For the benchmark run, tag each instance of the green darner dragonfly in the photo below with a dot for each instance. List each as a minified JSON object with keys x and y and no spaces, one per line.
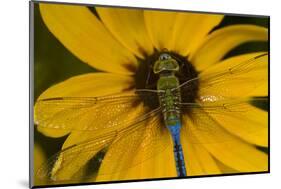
{"x":162,"y":112}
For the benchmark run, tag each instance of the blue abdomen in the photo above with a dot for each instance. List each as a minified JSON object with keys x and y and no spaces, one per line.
{"x":178,"y":153}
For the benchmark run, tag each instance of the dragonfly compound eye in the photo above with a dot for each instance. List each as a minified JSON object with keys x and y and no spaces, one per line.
{"x":164,"y":56}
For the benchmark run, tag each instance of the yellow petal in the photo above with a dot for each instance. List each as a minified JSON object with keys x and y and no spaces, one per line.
{"x":191,"y":29}
{"x":87,"y":38}
{"x":198,"y":160}
{"x":55,"y":133}
{"x":71,"y":161}
{"x":80,"y":147}
{"x":225,"y":169}
{"x":127,"y":25}
{"x":160,"y":26}
{"x":146,"y":153}
{"x":239,"y":76}
{"x":106,"y":123}
{"x":250,"y":124}
{"x":59,"y":119}
{"x":233,"y":152}
{"x":77,"y":137}
{"x":39,"y":159}
{"x":87,"y":85}
{"x":223,"y":40}
{"x":261,"y":90}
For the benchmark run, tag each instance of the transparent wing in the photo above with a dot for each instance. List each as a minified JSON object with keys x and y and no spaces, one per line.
{"x":219,"y":117}
{"x":224,"y":120}
{"x":225,"y":76}
{"x":136,"y":147}
{"x":147,"y":136}
{"x":64,"y":164}
{"x":90,"y":113}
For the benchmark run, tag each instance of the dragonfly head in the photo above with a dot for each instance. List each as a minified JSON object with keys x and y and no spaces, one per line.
{"x":165,"y":64}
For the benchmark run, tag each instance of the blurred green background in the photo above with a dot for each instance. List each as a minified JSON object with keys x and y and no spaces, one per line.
{"x":53,"y":63}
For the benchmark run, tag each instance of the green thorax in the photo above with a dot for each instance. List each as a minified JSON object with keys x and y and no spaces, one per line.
{"x":166,"y":67}
{"x":166,"y":82}
{"x":170,"y":98}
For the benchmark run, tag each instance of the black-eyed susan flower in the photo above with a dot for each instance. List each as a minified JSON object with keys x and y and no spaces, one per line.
{"x":123,"y":45}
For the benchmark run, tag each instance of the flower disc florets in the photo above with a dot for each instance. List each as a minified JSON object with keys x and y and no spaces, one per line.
{"x":145,"y":78}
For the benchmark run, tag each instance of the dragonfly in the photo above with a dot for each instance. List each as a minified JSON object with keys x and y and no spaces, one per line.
{"x":116,"y":134}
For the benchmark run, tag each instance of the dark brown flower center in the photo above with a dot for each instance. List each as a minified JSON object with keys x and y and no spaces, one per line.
{"x":145,"y":78}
